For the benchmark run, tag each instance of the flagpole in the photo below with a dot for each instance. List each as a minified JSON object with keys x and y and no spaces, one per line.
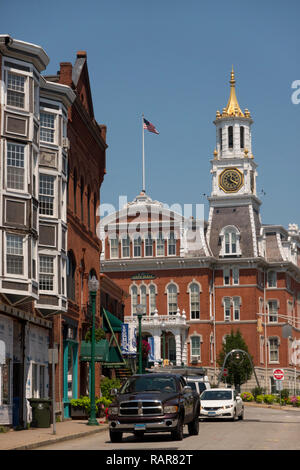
{"x":144,"y":186}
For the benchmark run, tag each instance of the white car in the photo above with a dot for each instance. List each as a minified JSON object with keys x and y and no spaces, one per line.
{"x":221,"y":403}
{"x":198,"y":384}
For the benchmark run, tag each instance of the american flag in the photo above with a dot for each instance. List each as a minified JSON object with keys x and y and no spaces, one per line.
{"x":151,"y":128}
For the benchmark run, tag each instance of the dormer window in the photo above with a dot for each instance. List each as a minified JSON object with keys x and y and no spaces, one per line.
{"x":172,"y":244}
{"x":137,"y":247}
{"x":230,"y":237}
{"x":148,"y":245}
{"x":230,"y":137}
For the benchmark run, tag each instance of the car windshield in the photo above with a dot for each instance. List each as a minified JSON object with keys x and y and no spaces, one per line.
{"x":217,"y":395}
{"x":142,"y":384}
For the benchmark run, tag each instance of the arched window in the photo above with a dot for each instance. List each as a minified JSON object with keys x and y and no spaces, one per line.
{"x":95,"y":212}
{"x":134,"y":299}
{"x":114,"y":247}
{"x":274,"y":349}
{"x":242,"y":137}
{"x":152,"y":299}
{"x":71,"y":270}
{"x":230,"y":137}
{"x":172,"y":299}
{"x":88,"y":208}
{"x":230,"y":237}
{"x":195,"y":342}
{"x":81,"y":198}
{"x":143,"y":297}
{"x":75,"y":190}
{"x":125,"y":246}
{"x":194,"y":301}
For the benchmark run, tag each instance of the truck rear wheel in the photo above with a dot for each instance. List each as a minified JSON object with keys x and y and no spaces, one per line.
{"x":115,"y":436}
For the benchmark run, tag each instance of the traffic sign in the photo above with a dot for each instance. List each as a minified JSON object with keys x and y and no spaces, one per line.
{"x":278,"y":374}
{"x":279,"y":385}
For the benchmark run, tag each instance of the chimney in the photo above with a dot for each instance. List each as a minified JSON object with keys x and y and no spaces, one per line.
{"x":65,"y":75}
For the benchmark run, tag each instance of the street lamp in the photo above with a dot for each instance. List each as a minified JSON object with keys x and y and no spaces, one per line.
{"x":164,"y":341}
{"x":93,"y":286}
{"x":140,"y":311}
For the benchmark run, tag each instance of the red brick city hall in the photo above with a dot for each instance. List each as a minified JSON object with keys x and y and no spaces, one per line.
{"x":199,"y":280}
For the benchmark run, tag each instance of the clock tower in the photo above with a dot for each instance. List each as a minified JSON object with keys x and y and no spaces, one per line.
{"x":233,"y":201}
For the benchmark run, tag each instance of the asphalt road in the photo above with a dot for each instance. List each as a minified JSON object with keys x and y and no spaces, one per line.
{"x":261,"y":429}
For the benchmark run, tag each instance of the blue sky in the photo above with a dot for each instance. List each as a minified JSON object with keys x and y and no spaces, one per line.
{"x":171,"y":60}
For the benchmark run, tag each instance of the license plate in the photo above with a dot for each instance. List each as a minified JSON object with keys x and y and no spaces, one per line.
{"x":139,"y":427}
{"x":211,"y":413}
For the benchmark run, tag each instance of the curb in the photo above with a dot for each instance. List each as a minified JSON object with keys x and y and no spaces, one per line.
{"x":35,"y":445}
{"x":274,"y":407}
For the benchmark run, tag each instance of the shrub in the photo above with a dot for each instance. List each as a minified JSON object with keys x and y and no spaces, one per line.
{"x":247,"y":396}
{"x":85,"y":403}
{"x":257,"y":391}
{"x":107,"y":385}
{"x":259,"y":398}
{"x":269,"y":399}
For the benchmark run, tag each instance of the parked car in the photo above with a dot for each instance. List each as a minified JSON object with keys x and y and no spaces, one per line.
{"x":151,"y":403}
{"x":197,"y":383}
{"x":221,"y":403}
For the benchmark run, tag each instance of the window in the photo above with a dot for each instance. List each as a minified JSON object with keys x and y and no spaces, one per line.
{"x":46,"y":273}
{"x":134,"y":299}
{"x":226,"y":276}
{"x":149,"y":245}
{"x":152,"y":299}
{"x":16,"y":90}
{"x":15,"y":171}
{"x":126,"y":247}
{"x":227,"y":308}
{"x":137,"y":247}
{"x":114,"y":247}
{"x":172,"y":299}
{"x":230,"y":241}
{"x":160,"y":245}
{"x":235,"y":276}
{"x":272,"y":279}
{"x":14,"y":254}
{"x":75,"y":190}
{"x":236,"y":308}
{"x":195,"y":346}
{"x":230,"y":137}
{"x":81,"y":199}
{"x":71,"y":271}
{"x":273,"y":350}
{"x":47,"y":127}
{"x":195,"y":301}
{"x":273,"y":311}
{"x":46,"y":196}
{"x":242,"y":137}
{"x":143,"y":294}
{"x":172,"y":244}
{"x":5,"y":391}
{"x":88,"y":208}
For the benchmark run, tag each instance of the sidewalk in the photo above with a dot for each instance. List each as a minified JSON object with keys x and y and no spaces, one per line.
{"x":35,"y":437}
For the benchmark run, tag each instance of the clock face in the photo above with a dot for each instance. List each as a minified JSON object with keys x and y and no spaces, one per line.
{"x":231,"y":180}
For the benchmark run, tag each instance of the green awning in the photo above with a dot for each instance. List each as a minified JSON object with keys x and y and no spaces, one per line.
{"x":101,"y":351}
{"x":115,"y":323}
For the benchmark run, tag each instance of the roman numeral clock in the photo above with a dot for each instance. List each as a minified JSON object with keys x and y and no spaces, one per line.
{"x":231,"y":180}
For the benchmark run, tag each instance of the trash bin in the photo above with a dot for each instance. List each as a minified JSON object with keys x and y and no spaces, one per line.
{"x":41,"y":412}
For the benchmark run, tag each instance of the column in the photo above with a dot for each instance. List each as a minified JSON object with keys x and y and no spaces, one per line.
{"x":178,"y":349}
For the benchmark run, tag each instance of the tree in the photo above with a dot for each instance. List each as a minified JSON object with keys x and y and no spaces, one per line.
{"x":239,"y":370}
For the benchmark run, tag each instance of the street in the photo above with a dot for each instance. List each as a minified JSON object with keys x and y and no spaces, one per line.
{"x":261,"y":429}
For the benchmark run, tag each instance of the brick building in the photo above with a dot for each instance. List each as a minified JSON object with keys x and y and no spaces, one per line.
{"x":86,"y":143}
{"x":197,"y":279}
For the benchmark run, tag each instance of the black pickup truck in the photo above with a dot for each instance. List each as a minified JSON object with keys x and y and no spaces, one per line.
{"x":151,"y":403}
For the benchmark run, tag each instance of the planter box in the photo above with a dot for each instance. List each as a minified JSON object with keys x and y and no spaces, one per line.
{"x":78,"y":413}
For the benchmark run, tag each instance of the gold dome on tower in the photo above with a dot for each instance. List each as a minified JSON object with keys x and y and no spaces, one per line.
{"x":233,"y":108}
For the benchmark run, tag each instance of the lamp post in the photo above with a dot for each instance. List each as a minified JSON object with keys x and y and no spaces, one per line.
{"x":140,"y":312}
{"x":164,"y":342}
{"x":93,"y":286}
